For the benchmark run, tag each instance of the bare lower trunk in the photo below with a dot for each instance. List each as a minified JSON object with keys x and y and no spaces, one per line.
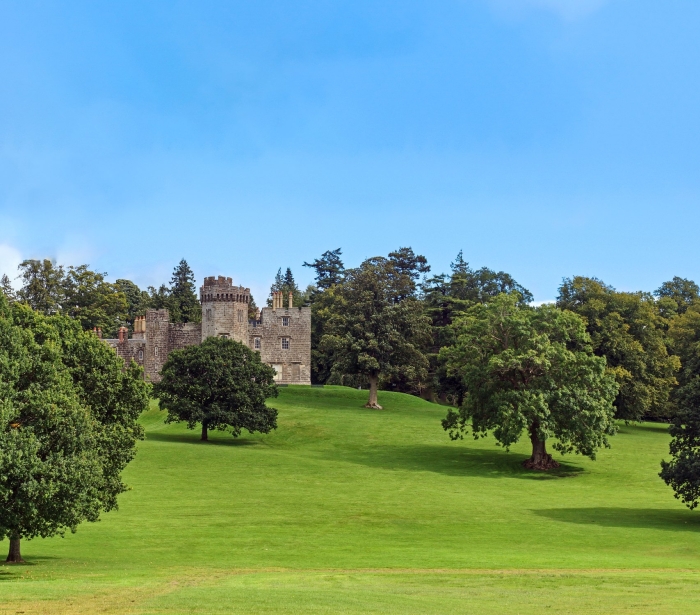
{"x":14,"y":556}
{"x":372,"y":403}
{"x":540,"y":460}
{"x":205,"y":435}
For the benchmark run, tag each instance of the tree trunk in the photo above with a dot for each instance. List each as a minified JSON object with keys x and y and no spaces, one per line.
{"x":540,"y":460}
{"x":205,"y":435}
{"x":372,"y":403}
{"x":14,"y":556}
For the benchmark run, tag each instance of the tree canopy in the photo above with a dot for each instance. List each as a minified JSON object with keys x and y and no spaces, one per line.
{"x":285,"y":283}
{"x":682,"y":473}
{"x":373,"y":333}
{"x":629,"y":331}
{"x":68,"y":424}
{"x":530,"y":369}
{"x":445,"y":297}
{"x":329,"y":269}
{"x":219,"y":384}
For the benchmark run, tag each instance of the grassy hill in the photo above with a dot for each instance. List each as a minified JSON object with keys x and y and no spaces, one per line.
{"x":349,"y":510}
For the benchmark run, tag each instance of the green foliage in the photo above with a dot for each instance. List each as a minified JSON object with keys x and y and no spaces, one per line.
{"x":180,"y":298}
{"x":68,"y":413}
{"x":329,"y":272}
{"x":370,"y":331}
{"x":681,"y":291}
{"x":682,"y":473}
{"x":406,"y":268}
{"x":77,"y":292}
{"x":42,"y":285}
{"x":530,"y":369}
{"x":629,"y":331}
{"x":137,"y":300}
{"x":7,"y":289}
{"x":447,"y":297}
{"x":219,"y":384}
{"x":183,"y":302}
{"x":93,"y":302}
{"x":329,"y":269}
{"x":286,"y":284}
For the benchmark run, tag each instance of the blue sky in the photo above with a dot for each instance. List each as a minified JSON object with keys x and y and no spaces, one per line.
{"x":546,"y":138}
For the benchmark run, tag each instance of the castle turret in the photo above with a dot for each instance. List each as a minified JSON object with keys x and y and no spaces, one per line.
{"x":224,"y":309}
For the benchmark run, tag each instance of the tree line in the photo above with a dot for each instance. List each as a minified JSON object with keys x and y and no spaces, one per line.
{"x":564,"y":373}
{"x":85,"y":295}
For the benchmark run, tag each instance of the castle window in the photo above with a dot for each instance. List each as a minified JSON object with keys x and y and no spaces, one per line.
{"x":155,"y":351}
{"x":257,"y":343}
{"x":285,"y":343}
{"x":285,"y":321}
{"x":140,"y":355}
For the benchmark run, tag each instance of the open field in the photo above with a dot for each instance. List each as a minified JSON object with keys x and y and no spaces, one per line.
{"x":348,"y":510}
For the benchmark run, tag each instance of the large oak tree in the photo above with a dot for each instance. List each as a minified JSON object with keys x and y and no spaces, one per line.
{"x":68,"y":424}
{"x":219,"y":384}
{"x":530,"y":370}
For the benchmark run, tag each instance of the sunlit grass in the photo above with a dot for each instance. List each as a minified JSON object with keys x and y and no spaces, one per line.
{"x":350,"y":510}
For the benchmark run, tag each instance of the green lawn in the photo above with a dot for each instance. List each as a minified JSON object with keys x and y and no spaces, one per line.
{"x":349,"y":510}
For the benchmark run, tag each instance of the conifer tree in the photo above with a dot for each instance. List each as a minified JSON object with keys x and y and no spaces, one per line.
{"x":183,"y":303}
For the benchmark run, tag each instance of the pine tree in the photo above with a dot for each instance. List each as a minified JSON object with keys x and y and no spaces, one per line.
{"x":6,"y":288}
{"x":183,"y":302}
{"x":286,"y":284}
{"x":329,"y":269}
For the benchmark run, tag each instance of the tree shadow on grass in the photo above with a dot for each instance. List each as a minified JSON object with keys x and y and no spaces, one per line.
{"x":451,"y":460}
{"x":194,"y":438}
{"x":645,"y":518}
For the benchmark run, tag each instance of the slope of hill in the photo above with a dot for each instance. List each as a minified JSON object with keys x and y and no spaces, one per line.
{"x":349,"y":510}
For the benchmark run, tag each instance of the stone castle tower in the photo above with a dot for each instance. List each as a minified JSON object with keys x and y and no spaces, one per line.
{"x":282,"y":335}
{"x":224,"y":309}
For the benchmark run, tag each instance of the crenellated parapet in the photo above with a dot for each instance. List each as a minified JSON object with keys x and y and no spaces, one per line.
{"x":282,"y":333}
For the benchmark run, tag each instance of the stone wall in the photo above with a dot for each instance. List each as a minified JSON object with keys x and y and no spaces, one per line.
{"x":129,"y":350}
{"x":277,"y":329}
{"x":224,"y":309}
{"x":157,"y":342}
{"x":183,"y":334}
{"x":283,"y":334}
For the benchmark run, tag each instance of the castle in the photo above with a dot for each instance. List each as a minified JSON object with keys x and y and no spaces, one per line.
{"x":282,"y":335}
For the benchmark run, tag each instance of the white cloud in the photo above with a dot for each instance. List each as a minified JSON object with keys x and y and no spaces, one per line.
{"x":10,"y":258}
{"x":568,"y":10}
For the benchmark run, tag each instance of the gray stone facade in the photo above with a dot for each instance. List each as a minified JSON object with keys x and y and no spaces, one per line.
{"x":282,"y":335}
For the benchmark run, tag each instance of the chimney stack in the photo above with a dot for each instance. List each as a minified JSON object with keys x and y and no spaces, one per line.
{"x":99,"y":332}
{"x":291,"y":300}
{"x":123,"y":334}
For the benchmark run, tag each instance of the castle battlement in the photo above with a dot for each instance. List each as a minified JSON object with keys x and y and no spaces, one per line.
{"x":281,"y":334}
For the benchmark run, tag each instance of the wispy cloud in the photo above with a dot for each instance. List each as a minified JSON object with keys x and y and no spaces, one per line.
{"x":568,"y":10}
{"x":10,"y":258}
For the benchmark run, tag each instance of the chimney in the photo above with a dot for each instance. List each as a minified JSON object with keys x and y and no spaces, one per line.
{"x":291,"y":300}
{"x":99,"y":332}
{"x":123,"y":334}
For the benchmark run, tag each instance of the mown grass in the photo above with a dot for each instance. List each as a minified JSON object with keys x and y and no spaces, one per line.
{"x":349,"y":510}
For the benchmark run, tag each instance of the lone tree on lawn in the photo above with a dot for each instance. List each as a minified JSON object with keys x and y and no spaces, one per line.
{"x":371,"y":331}
{"x":68,"y":424}
{"x":530,"y":369}
{"x":220,"y":384}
